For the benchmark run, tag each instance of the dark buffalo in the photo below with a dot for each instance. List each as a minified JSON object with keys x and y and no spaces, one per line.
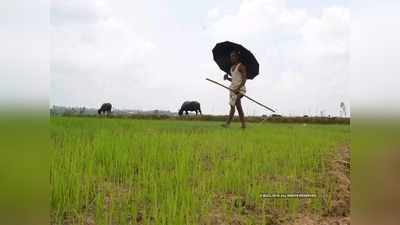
{"x":105,"y":108}
{"x":190,"y":106}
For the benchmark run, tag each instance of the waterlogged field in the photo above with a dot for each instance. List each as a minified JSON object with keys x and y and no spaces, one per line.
{"x":124,"y":171}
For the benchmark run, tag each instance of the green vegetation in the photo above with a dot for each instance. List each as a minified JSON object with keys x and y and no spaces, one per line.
{"x":126,"y":171}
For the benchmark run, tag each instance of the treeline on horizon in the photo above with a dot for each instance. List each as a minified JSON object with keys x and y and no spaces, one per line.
{"x":251,"y":119}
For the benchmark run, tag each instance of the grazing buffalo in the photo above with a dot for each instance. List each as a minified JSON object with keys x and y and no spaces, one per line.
{"x":105,"y":108}
{"x":190,"y":106}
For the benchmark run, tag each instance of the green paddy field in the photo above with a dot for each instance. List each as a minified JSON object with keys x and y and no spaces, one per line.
{"x":128,"y":171}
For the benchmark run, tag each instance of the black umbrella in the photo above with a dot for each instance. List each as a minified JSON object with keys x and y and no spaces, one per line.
{"x":222,"y":51}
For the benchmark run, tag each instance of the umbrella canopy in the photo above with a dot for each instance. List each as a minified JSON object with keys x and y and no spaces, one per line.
{"x":222,"y":52}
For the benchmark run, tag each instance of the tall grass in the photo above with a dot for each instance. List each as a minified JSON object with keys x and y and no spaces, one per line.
{"x":117,"y":171}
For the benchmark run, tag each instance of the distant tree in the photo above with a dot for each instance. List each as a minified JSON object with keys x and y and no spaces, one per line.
{"x":82,"y":110}
{"x":343,"y":109}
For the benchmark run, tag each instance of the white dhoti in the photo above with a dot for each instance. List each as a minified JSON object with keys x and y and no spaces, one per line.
{"x":233,"y":97}
{"x":235,"y":83}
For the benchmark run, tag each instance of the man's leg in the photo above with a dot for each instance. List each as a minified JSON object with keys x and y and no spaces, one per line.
{"x":240,"y":111}
{"x":232,"y":101}
{"x":231,"y":113}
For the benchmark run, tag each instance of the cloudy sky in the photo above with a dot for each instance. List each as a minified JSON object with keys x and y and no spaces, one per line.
{"x":155,"y":55}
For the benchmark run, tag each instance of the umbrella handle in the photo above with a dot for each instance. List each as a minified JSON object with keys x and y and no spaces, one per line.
{"x":226,"y":77}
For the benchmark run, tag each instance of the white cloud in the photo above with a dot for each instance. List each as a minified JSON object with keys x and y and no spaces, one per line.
{"x":255,"y":16}
{"x":329,"y":33}
{"x":77,"y":12}
{"x":106,"y":41}
{"x":92,"y":49}
{"x":213,"y":13}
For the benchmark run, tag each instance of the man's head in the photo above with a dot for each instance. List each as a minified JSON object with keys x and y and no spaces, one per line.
{"x":235,"y":57}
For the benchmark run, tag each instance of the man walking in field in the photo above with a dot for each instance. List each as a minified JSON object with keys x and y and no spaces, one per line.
{"x":238,"y":81}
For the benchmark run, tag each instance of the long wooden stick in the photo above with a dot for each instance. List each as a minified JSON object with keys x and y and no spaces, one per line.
{"x":215,"y":82}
